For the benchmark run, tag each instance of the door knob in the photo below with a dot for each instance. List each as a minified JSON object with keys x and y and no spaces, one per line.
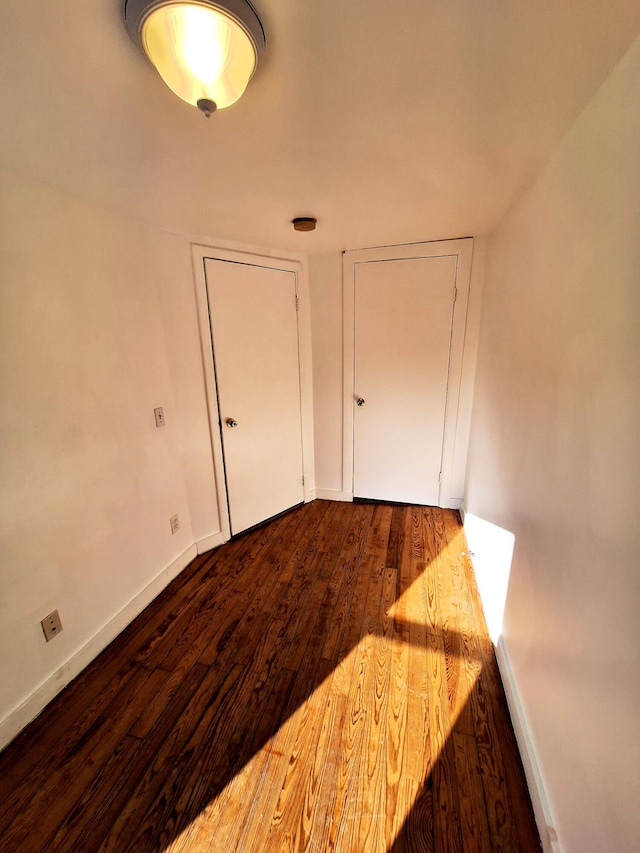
{"x":231,"y":423}
{"x":360,"y":401}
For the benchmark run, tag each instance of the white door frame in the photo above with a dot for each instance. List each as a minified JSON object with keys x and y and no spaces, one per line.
{"x":450,"y":493}
{"x":298,"y":266}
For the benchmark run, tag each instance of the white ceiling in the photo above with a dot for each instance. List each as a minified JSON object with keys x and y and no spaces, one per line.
{"x":389,"y":120}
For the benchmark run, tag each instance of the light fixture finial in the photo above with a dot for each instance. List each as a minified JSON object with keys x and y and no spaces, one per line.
{"x":206,"y":107}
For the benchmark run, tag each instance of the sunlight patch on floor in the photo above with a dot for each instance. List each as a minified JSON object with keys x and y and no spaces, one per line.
{"x":352,"y":760}
{"x":382,"y":686}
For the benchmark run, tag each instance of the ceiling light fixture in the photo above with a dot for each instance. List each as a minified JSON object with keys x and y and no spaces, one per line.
{"x":205,"y":51}
{"x":304,"y":223}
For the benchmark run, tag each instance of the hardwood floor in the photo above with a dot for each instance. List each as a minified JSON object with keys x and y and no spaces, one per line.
{"x":323,"y":683}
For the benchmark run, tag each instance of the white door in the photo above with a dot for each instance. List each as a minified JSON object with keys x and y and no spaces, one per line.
{"x":403,"y":330}
{"x":255,"y":344}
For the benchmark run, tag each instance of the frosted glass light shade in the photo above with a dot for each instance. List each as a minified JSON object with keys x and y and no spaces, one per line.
{"x":199,"y":53}
{"x":205,"y":50}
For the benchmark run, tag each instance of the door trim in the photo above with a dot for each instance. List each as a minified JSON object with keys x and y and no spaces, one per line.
{"x":454,"y":436}
{"x":297,"y":265}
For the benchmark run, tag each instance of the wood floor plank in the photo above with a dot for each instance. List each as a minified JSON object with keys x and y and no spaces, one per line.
{"x":416,"y":835}
{"x":307,"y":828}
{"x":322,"y":683}
{"x":72,"y":832}
{"x":473,"y":813}
{"x":297,"y":525}
{"x":105,"y":808}
{"x":342,"y":825}
{"x":463,"y":656}
{"x":399,"y":797}
{"x":302,"y":565}
{"x":17,"y":795}
{"x":221,"y":746}
{"x":413,"y":823}
{"x":166,"y":762}
{"x":432,"y":545}
{"x":446,"y":590}
{"x":314,"y":611}
{"x":247,"y":618}
{"x":295,"y":549}
{"x":372,"y":802}
{"x":397,"y":532}
{"x":446,"y":810}
{"x":78,"y":769}
{"x":358,"y":792}
{"x":222,"y":800}
{"x":519,"y":801}
{"x":94,"y":815}
{"x":283,"y":754}
{"x":499,"y":814}
{"x":161,"y":639}
{"x":369,"y":563}
{"x":292,"y":809}
{"x":271,"y":762}
{"x":204,"y":623}
{"x":345,"y":624}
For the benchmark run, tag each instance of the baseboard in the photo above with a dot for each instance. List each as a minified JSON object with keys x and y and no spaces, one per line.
{"x":539,"y":800}
{"x":338,"y":495}
{"x":334,"y":495}
{"x":39,"y":698}
{"x":210,"y":542}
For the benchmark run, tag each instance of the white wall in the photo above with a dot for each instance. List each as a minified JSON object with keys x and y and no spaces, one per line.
{"x":174,"y":278}
{"x":554,"y":460}
{"x":97,"y":327}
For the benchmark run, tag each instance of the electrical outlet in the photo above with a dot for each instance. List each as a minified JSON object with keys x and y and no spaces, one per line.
{"x":51,"y":625}
{"x":174,"y":521}
{"x":159,"y":416}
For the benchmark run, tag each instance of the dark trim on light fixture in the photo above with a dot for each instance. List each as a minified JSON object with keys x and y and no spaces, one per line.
{"x":136,"y":11}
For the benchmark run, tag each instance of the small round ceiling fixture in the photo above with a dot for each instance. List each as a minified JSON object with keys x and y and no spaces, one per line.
{"x":206,"y":51}
{"x":305,"y":223}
